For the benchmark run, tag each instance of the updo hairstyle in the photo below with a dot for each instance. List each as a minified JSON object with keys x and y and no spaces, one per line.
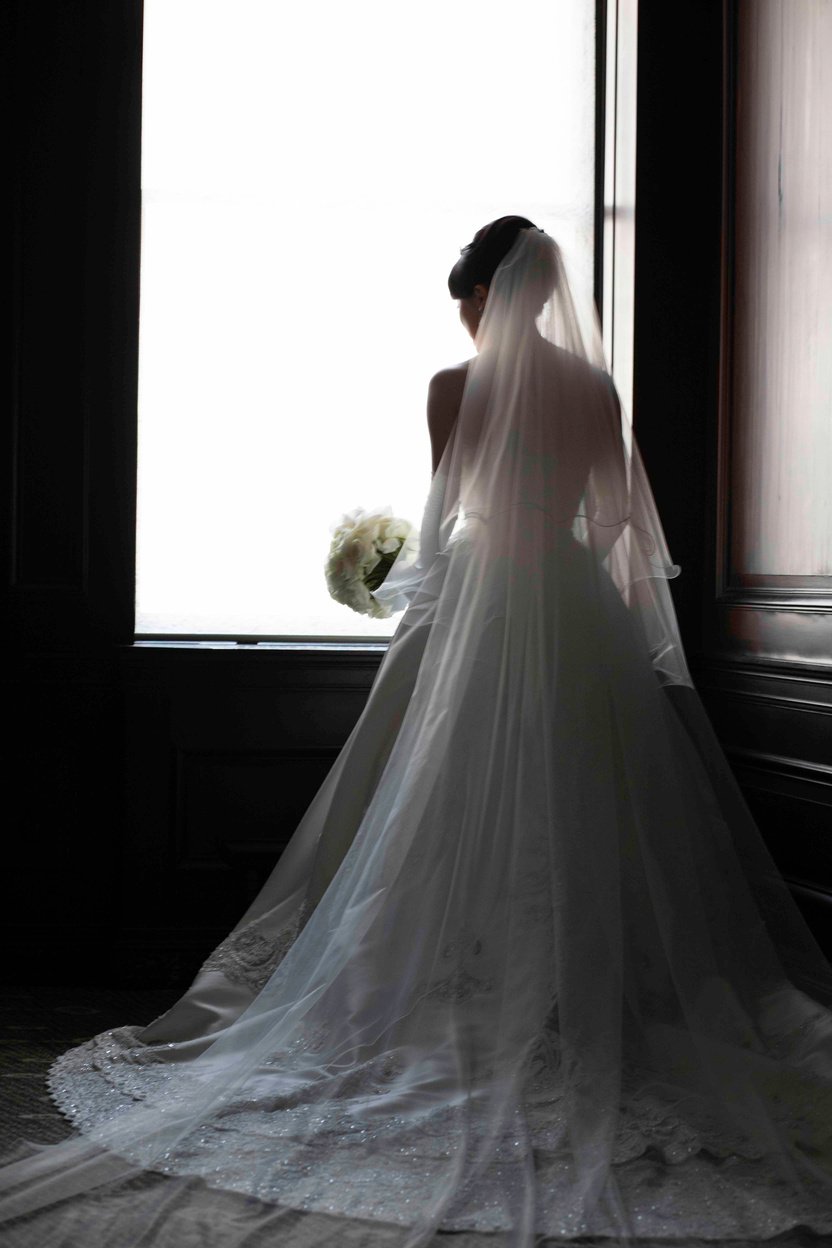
{"x":478,"y":261}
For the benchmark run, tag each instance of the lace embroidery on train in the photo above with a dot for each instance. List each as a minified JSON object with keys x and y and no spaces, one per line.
{"x":725,"y":1188}
{"x":249,"y":958}
{"x":462,"y":959}
{"x":362,"y":1160}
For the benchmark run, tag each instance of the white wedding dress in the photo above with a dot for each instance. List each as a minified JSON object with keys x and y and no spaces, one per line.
{"x":526,"y":966}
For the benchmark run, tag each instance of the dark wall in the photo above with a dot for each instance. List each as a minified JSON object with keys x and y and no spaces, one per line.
{"x":69,"y":545}
{"x":69,"y":471}
{"x":677,"y":279}
{"x":774,"y":718}
{"x":150,"y":788}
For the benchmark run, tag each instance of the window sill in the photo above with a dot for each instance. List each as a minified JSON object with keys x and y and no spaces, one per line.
{"x":291,"y":645}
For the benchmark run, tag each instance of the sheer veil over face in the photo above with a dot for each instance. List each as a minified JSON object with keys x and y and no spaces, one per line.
{"x":530,"y":968}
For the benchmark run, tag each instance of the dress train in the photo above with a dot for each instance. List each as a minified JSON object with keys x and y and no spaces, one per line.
{"x":526,"y":969}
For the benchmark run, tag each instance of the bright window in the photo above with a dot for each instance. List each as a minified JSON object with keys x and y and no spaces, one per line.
{"x":309,"y":174}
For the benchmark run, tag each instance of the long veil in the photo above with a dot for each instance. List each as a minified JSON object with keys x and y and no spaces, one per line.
{"x":543,"y":976}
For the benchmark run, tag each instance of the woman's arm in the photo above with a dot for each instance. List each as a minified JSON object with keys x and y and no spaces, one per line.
{"x":444,"y":399}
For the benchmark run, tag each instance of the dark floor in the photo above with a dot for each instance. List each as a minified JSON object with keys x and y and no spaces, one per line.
{"x":38,"y":1024}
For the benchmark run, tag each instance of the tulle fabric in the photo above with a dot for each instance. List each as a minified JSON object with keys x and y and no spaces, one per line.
{"x":526,"y":968}
{"x":540,"y":429}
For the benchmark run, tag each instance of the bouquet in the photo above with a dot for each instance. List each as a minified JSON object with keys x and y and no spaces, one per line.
{"x":364,"y":546}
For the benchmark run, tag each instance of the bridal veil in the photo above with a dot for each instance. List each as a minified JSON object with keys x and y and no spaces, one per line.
{"x":535,"y":975}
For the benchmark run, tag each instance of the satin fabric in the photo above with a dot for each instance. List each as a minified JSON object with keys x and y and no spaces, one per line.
{"x":526,"y":966}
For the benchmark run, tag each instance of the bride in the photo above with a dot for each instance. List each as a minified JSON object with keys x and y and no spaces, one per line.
{"x":526,"y":969}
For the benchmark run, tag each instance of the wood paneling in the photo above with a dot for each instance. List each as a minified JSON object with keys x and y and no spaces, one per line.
{"x":238,"y":809}
{"x":780,"y":529}
{"x":775,"y":724}
{"x":135,"y":770}
{"x":764,"y":666}
{"x":773,"y":540}
{"x":63,"y":816}
{"x":69,"y":534}
{"x":69,"y":474}
{"x":49,"y":500}
{"x":768,"y":615}
{"x":224,"y":749}
{"x":759,"y":652}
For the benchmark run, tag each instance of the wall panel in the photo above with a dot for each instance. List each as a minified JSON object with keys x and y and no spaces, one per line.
{"x":773,"y":556}
{"x":224,"y":749}
{"x":765,"y":664}
{"x":760,"y":649}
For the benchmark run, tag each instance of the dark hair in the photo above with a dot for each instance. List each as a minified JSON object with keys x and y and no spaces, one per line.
{"x":478,"y":261}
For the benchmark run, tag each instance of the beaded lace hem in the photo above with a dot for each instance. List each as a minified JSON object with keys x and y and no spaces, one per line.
{"x":679,"y":1170}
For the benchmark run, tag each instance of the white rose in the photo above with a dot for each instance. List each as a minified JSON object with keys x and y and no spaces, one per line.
{"x":359,"y":542}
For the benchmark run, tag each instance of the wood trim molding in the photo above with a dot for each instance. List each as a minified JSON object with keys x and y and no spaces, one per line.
{"x":775,"y":724}
{"x":819,"y":774}
{"x":808,"y":687}
{"x":288,"y":666}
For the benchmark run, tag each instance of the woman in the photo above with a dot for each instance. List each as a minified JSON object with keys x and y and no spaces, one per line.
{"x":526,"y":965}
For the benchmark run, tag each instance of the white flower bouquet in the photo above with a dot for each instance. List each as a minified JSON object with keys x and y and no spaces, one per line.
{"x":364,"y":546}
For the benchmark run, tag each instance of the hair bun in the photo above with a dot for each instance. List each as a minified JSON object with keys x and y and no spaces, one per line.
{"x":478,"y":260}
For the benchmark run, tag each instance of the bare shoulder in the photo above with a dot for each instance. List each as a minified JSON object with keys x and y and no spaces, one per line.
{"x":445,"y":395}
{"x":444,"y":398}
{"x":589,"y":375}
{"x":448,"y":382}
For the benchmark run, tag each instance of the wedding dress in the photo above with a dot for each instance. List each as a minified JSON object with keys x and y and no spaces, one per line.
{"x":526,"y":967}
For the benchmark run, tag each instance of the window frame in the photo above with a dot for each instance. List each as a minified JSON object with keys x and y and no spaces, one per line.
{"x":607,"y":150}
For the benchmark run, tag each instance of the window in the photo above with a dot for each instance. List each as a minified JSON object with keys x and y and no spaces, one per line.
{"x":309,"y":174}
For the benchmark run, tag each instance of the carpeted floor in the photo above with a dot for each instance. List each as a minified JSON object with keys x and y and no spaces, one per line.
{"x":38,"y":1024}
